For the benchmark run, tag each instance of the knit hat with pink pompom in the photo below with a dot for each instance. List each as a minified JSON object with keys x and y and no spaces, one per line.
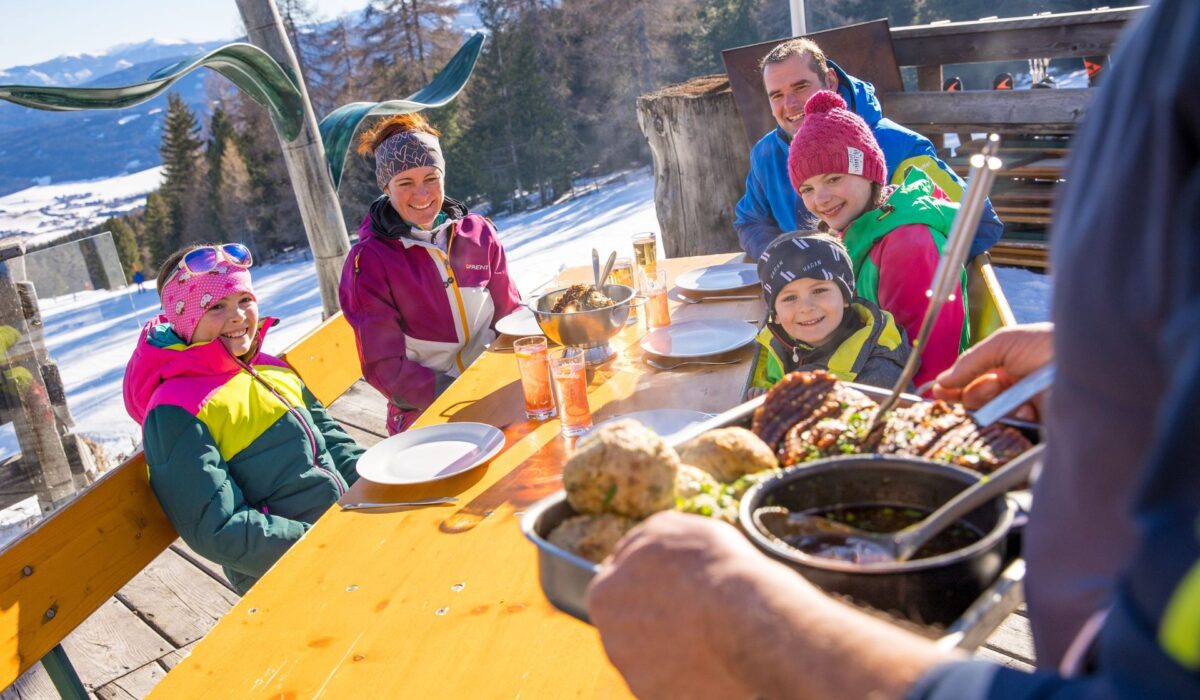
{"x":832,"y":139}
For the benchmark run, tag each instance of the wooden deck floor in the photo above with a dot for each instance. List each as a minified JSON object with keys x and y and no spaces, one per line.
{"x":129,"y":644}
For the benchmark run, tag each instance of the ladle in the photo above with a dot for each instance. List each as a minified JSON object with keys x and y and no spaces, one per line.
{"x":868,"y":547}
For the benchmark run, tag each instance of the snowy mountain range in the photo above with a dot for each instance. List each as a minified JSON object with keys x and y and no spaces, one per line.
{"x":39,"y":147}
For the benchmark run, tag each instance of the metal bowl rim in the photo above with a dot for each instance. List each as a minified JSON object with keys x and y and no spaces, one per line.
{"x":529,"y":522}
{"x":788,"y":553}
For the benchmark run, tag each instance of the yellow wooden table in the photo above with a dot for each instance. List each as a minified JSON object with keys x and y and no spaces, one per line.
{"x":444,"y":602}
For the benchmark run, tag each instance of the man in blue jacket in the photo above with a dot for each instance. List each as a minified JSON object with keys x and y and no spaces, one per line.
{"x":792,"y":72}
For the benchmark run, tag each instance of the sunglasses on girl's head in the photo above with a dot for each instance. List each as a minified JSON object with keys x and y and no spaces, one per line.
{"x":202,"y":260}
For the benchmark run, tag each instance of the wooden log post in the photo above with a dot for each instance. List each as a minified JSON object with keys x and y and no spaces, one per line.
{"x":305,"y":159}
{"x":701,"y":158}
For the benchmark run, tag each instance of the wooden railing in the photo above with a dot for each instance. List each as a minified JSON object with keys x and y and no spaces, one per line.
{"x":60,"y":572}
{"x":930,"y":47}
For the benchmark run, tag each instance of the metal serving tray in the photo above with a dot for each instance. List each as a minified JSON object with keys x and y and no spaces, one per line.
{"x":565,"y":576}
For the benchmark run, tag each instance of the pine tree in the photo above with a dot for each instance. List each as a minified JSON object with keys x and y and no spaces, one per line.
{"x":157,"y":230}
{"x":722,"y":24}
{"x":181,"y":152}
{"x":237,"y":199}
{"x":126,"y":245}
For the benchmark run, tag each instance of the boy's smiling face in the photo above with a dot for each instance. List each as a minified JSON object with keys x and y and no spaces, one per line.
{"x":810,"y":310}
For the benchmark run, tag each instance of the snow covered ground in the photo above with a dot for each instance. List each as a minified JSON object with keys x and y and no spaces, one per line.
{"x":91,"y":335}
{"x":48,"y":211}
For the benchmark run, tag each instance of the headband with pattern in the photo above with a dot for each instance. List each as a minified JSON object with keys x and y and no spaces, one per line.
{"x":186,"y":297}
{"x":407,"y":149}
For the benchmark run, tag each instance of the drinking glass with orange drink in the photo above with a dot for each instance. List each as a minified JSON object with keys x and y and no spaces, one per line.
{"x":654,"y":288}
{"x":569,"y":374}
{"x":533,"y":364}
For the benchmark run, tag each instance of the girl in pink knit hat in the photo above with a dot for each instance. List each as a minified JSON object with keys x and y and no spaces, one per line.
{"x":242,"y":457}
{"x":895,"y":235}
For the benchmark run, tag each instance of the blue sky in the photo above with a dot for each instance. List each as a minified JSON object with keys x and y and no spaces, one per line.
{"x":35,"y":31}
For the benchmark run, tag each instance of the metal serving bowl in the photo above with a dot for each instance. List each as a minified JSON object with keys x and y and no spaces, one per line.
{"x":933,"y":590}
{"x":590,"y":330}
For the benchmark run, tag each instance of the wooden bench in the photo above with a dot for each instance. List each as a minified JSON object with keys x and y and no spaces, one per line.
{"x":69,"y":565}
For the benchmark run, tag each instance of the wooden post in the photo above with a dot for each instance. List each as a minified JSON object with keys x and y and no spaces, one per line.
{"x":701,"y":158}
{"x":305,"y":158}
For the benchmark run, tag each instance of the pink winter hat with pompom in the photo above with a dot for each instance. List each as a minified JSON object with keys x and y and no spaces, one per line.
{"x":832,"y":139}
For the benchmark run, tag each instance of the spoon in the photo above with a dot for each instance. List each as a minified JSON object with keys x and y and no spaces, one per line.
{"x":596,"y":265}
{"x":608,"y":266}
{"x":870,"y":547}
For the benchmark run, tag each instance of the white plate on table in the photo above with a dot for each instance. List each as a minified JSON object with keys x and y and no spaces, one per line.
{"x":699,"y":338}
{"x":718,"y":278}
{"x":430,"y":454}
{"x":664,"y":421}
{"x":519,"y":323}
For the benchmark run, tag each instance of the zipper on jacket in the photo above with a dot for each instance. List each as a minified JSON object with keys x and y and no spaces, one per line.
{"x":312,"y":439}
{"x":462,"y":308}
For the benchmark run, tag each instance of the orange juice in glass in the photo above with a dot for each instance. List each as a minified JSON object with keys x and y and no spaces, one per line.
{"x":533,"y":364}
{"x":654,"y":288}
{"x":570,"y":385}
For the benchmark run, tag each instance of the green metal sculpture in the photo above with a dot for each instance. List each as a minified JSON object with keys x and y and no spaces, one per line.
{"x":266,"y":82}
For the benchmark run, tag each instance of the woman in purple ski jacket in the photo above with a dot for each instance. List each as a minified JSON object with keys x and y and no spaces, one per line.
{"x":427,"y":280}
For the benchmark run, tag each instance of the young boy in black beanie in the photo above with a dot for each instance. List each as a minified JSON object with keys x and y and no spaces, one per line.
{"x":814,"y":320}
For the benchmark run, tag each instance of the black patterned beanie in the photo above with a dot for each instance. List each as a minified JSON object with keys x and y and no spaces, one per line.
{"x":804,"y":254}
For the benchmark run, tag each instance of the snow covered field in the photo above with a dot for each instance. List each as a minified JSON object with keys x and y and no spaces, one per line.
{"x":49,"y":211}
{"x":91,"y":335}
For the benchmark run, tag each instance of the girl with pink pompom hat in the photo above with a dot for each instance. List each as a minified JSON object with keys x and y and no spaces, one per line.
{"x":894,"y":234}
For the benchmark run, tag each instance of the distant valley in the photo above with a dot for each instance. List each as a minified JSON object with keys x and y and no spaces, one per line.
{"x":39,"y":147}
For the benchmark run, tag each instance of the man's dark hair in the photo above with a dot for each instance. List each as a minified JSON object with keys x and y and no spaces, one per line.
{"x":799,"y":47}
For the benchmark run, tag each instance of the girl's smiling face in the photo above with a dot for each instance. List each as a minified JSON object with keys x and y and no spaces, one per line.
{"x":416,"y":194}
{"x":810,"y":310}
{"x":233,"y":319}
{"x":837,"y":198}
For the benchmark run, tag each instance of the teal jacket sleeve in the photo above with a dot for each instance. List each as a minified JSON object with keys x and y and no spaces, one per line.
{"x":204,"y":503}
{"x":341,"y":447}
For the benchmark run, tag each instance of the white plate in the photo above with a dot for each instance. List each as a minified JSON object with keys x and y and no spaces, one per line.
{"x":519,"y":323}
{"x":718,"y":278}
{"x":429,"y":454}
{"x":699,"y":338}
{"x":664,"y":421}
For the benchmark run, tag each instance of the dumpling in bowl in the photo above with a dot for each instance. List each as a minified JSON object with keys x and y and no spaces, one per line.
{"x":729,"y":453}
{"x":591,"y":536}
{"x":623,"y":468}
